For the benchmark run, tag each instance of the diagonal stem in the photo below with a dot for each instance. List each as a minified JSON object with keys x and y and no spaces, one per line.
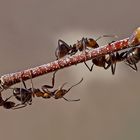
{"x":10,"y":79}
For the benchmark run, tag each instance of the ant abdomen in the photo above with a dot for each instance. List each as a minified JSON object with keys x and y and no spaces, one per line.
{"x":8,"y":104}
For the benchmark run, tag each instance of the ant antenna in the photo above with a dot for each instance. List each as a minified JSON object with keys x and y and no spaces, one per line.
{"x":72,"y":100}
{"x":102,"y":36}
{"x":74,"y":85}
{"x":32,"y":86}
{"x":69,"y":100}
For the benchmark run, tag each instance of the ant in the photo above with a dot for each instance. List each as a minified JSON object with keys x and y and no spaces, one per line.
{"x":84,"y":44}
{"x":60,"y":92}
{"x":64,"y":49}
{"x":56,"y":94}
{"x":24,"y":95}
{"x":5,"y":103}
{"x":130,"y":57}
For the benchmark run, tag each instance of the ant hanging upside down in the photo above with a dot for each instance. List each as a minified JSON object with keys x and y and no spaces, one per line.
{"x":24,"y":95}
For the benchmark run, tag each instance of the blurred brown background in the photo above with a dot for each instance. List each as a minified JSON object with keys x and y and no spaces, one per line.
{"x":110,"y":105}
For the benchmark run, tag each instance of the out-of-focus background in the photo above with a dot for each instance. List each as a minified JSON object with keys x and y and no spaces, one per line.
{"x":110,"y":105}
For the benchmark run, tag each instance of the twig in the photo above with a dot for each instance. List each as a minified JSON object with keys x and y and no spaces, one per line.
{"x":10,"y":79}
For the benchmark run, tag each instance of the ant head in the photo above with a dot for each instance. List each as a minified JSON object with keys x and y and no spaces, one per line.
{"x":134,"y":39}
{"x":60,"y":93}
{"x":92,"y":43}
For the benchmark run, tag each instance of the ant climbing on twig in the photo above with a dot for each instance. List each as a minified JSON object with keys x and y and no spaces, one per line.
{"x":84,"y":44}
{"x":24,"y":95}
{"x":130,"y":57}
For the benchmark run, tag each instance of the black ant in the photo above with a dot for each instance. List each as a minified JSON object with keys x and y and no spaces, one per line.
{"x":5,"y":103}
{"x":130,"y":57}
{"x":64,"y":49}
{"x":24,"y":95}
{"x":107,"y":61}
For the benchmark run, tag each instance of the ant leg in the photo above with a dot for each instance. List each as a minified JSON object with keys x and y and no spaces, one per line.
{"x":69,"y":90}
{"x":63,"y":42}
{"x":122,"y":56}
{"x":133,"y":66}
{"x":18,"y":106}
{"x":60,"y":88}
{"x":84,"y":50}
{"x":21,"y":88}
{"x":84,"y":40}
{"x":73,"y":51}
{"x":132,"y":62}
{"x":45,"y":87}
{"x":112,"y":62}
{"x":113,"y":67}
{"x":108,"y":65}
{"x":8,"y":98}
{"x":53,"y":81}
{"x":23,"y":84}
{"x":32,"y":86}
{"x":89,"y":68}
{"x":69,"y":100}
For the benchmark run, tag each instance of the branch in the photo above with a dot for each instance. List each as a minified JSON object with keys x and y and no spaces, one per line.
{"x":10,"y":79}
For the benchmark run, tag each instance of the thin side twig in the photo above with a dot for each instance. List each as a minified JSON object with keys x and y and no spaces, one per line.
{"x":10,"y":79}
